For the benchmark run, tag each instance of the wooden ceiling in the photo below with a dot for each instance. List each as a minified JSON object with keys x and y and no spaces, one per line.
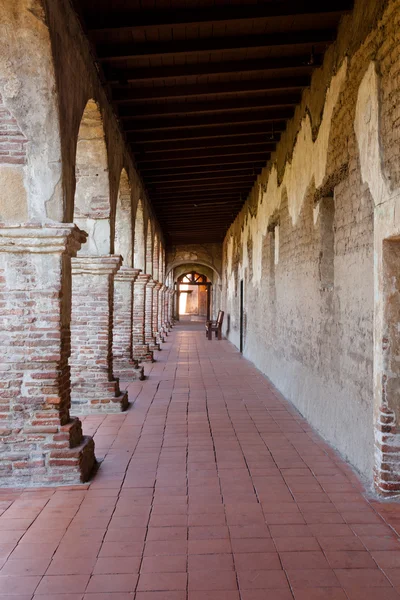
{"x":203,"y":90}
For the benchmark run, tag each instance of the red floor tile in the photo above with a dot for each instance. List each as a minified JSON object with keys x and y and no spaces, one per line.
{"x":211,"y":479}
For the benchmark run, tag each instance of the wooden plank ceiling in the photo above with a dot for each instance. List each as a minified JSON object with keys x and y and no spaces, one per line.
{"x":203,"y":91}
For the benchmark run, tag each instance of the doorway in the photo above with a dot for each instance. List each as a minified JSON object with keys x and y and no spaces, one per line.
{"x":194,"y":297}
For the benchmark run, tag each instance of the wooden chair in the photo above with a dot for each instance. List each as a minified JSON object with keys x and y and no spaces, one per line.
{"x":215,"y":326}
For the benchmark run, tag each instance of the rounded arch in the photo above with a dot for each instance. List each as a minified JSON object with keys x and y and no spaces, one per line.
{"x":92,"y":190}
{"x":156,"y":259}
{"x":196,"y":263}
{"x":149,"y":249}
{"x":123,"y":221}
{"x":161,"y":262}
{"x":139,"y":244}
{"x":190,"y":267}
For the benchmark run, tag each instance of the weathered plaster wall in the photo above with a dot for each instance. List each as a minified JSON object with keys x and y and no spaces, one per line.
{"x":308,"y":241}
{"x":30,"y":158}
{"x":47,"y":77}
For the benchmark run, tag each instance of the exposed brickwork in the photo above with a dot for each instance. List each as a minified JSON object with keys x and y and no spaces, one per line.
{"x":40,"y":443}
{"x":140,"y":349}
{"x":124,"y":365}
{"x":148,"y":321}
{"x":157,"y":329}
{"x":94,"y":388}
{"x":12,"y":140}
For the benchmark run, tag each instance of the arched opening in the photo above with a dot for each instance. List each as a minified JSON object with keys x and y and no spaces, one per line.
{"x":156,"y":259}
{"x":139,"y":245}
{"x":194,"y":296}
{"x":123,"y":221}
{"x":92,"y":192}
{"x":161,"y":263}
{"x":149,"y":250}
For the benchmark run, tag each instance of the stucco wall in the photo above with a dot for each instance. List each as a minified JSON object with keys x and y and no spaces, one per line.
{"x":310,"y":307}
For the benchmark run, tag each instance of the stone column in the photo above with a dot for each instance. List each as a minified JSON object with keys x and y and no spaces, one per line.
{"x":148,"y":323}
{"x":125,"y":367}
{"x":93,"y":386}
{"x":140,"y":350}
{"x":40,"y":443}
{"x":157,"y":329}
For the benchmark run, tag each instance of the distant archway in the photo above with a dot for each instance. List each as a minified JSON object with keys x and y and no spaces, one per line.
{"x":193,"y":296}
{"x":123,"y":221}
{"x":156,"y":259}
{"x":149,"y":249}
{"x":92,"y":191}
{"x":139,"y":244}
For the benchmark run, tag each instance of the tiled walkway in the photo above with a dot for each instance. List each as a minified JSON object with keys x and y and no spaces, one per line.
{"x":212,"y":488}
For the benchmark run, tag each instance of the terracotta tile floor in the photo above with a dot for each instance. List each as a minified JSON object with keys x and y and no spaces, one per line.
{"x":212,"y":487}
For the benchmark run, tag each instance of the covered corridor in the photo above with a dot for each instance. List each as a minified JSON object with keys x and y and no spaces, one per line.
{"x":211,"y":487}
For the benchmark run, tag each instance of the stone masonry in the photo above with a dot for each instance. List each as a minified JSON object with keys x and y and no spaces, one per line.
{"x":149,"y":336}
{"x":140,"y":349}
{"x":40,"y":442}
{"x":94,"y":388}
{"x":125,"y":367}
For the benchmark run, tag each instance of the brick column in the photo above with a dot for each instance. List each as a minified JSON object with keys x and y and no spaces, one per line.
{"x":171,"y":306}
{"x":140,"y":350}
{"x":125,"y":367}
{"x":166,"y":308}
{"x":148,"y":322}
{"x":40,"y":443}
{"x":93,"y":386}
{"x":161,"y":311}
{"x":157,"y":329}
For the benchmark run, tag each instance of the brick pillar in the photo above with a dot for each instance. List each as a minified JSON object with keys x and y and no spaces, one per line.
{"x":93,"y":386}
{"x":157,"y":329}
{"x":140,"y":350}
{"x":171,"y":306}
{"x":148,"y":322}
{"x":166,"y":308}
{"x":125,"y":367}
{"x":161,"y":311}
{"x":40,"y":443}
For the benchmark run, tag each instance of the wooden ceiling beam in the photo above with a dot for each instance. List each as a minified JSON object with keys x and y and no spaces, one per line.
{"x":115,"y":51}
{"x":216,"y":147}
{"x":124,"y":75}
{"x":182,"y":199}
{"x":203,"y":176}
{"x":129,"y":95}
{"x":219,"y":146}
{"x":176,"y":123}
{"x":171,"y":18}
{"x":203,"y":133}
{"x":175,"y":166}
{"x":128,"y":113}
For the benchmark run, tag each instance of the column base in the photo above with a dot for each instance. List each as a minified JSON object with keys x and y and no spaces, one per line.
{"x":107,"y":404}
{"x":154,"y":346}
{"x":128,"y":370}
{"x":65,"y":457}
{"x":142,"y":353}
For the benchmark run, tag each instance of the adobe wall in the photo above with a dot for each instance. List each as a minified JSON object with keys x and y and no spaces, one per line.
{"x":308,"y":241}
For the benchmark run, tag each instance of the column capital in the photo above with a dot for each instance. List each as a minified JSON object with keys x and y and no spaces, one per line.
{"x":143,"y":279}
{"x":127,"y":274}
{"x":164,"y":287}
{"x":35,"y":238}
{"x":96,"y":265}
{"x":158,"y":285}
{"x":151,"y":283}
